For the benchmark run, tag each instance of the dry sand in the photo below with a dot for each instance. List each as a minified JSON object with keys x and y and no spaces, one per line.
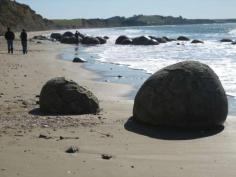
{"x":135,"y":150}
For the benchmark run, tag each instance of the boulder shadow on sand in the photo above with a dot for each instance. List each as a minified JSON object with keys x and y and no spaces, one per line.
{"x":170,"y":133}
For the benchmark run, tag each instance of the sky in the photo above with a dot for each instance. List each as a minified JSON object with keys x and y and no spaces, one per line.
{"x":70,"y":9}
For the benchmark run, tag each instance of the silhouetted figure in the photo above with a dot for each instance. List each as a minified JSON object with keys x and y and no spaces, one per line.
{"x":23,"y":37}
{"x":9,"y":36}
{"x":77,"y":36}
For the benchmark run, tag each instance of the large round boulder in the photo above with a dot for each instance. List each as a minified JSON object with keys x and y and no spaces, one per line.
{"x":144,"y":40}
{"x":183,"y":38}
{"x":187,"y":94}
{"x":120,"y":39}
{"x":126,"y":42}
{"x":68,"y":34}
{"x":60,"y":96}
{"x":56,"y":36}
{"x":89,"y":40}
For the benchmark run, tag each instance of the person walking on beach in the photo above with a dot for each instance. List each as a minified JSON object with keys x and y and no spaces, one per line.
{"x":23,"y":37}
{"x":9,"y":36}
{"x":77,"y":37}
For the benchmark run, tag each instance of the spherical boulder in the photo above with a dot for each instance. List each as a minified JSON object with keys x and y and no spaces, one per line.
{"x":68,"y":34}
{"x":60,"y":96}
{"x":195,"y":41}
{"x":183,"y":38}
{"x":187,"y":94}
{"x":56,"y":36}
{"x":144,"y":40}
{"x":120,"y":39}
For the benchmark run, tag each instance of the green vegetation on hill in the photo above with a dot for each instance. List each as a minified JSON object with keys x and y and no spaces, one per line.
{"x":136,"y":20}
{"x":18,"y":16}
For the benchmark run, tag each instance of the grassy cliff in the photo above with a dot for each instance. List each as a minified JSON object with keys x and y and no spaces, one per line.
{"x":18,"y":16}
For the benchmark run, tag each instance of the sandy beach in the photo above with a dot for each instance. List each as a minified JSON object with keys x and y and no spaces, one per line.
{"x":135,"y":150}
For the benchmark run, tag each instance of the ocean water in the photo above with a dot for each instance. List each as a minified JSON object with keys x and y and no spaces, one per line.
{"x":145,"y":60}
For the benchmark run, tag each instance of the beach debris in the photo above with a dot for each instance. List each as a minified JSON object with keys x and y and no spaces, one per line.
{"x":61,"y":96}
{"x":104,"y":134}
{"x":106,"y":156}
{"x":42,"y":136}
{"x":72,"y":149}
{"x":186,"y":94}
{"x":79,"y":60}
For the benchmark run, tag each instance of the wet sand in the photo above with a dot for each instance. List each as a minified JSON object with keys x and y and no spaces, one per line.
{"x":136,"y":150}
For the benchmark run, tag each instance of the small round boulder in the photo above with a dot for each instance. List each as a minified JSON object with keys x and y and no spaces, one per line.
{"x":187,"y":94}
{"x":60,"y":96}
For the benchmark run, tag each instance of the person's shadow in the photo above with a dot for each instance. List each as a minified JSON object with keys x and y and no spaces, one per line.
{"x":170,"y":133}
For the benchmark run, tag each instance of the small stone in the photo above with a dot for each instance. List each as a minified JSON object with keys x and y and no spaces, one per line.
{"x":44,"y":136}
{"x":72,"y":149}
{"x":106,"y":156}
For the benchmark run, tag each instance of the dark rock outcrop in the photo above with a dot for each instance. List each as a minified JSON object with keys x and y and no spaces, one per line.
{"x":102,"y":40}
{"x":69,"y":40}
{"x":158,"y":39}
{"x":233,"y":43}
{"x":121,"y":38}
{"x":56,"y":36}
{"x":187,"y":94}
{"x":183,"y":38}
{"x":68,"y":34}
{"x":226,"y":40}
{"x":60,"y":96}
{"x":144,"y":40}
{"x":197,"y":42}
{"x":126,"y":42}
{"x":78,"y":60}
{"x":88,"y":40}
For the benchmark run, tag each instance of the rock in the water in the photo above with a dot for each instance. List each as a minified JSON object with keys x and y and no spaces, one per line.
{"x":126,"y":42}
{"x":60,"y":96}
{"x":183,"y":38}
{"x":68,"y":34}
{"x":102,"y":40}
{"x":56,"y":36}
{"x":40,"y":37}
{"x":88,"y":40}
{"x":144,"y":40}
{"x":233,"y":43}
{"x":158,"y":39}
{"x":120,"y":39}
{"x":226,"y":40}
{"x":78,"y":60}
{"x":197,"y":42}
{"x":186,"y":94}
{"x":106,"y":37}
{"x":69,"y":40}
{"x":72,"y":149}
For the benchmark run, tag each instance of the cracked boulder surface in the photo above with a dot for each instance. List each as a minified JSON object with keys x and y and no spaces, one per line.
{"x":186,"y":94}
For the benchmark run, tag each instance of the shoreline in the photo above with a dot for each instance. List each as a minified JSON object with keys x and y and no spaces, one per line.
{"x":135,"y":150}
